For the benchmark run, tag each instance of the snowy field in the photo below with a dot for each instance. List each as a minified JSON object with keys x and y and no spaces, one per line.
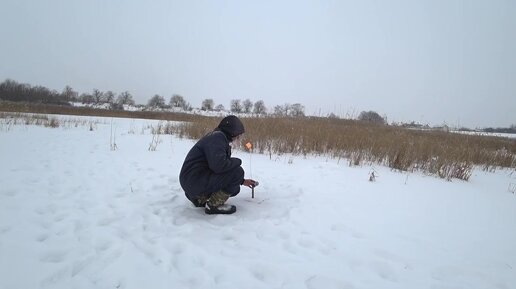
{"x":478,"y":133}
{"x":76,"y":214}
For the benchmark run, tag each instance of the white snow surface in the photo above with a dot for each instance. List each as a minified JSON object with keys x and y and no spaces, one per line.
{"x":76,"y":214}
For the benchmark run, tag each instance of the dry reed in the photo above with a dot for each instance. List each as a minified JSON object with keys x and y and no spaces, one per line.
{"x":447,"y":155}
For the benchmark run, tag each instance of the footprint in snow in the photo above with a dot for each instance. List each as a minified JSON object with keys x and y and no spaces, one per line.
{"x":60,"y":217}
{"x":316,"y":282}
{"x":4,"y":229}
{"x":56,"y":256}
{"x":393,"y":258}
{"x":264,"y":274}
{"x":56,"y":277}
{"x":10,"y":193}
{"x":42,"y":237}
{"x":384,"y":271}
{"x":103,"y":246}
{"x":80,"y":265}
{"x":107,"y":221}
{"x":347,"y":230}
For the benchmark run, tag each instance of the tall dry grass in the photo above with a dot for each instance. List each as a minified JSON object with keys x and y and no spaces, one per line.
{"x":7,"y":106}
{"x":447,"y":155}
{"x":10,"y":119}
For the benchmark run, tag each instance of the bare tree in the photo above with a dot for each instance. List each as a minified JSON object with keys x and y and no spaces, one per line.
{"x":186,"y":106}
{"x":220,"y":107}
{"x":157,"y":101}
{"x":69,"y":94}
{"x":248,"y":105}
{"x":279,"y":110}
{"x":178,"y":101}
{"x":109,"y":97}
{"x":207,"y":104}
{"x":371,"y":116}
{"x":297,"y":110}
{"x":125,"y":98}
{"x":97,"y":96}
{"x":236,"y":106}
{"x":87,"y":98}
{"x":259,"y":107}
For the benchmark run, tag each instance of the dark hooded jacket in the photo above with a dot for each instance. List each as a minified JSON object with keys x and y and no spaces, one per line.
{"x":210,"y":158}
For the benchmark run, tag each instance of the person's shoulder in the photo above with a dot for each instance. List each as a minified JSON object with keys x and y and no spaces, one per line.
{"x":216,"y":135}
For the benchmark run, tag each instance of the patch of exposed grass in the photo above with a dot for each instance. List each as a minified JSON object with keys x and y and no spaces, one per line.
{"x":10,"y":119}
{"x":7,"y":106}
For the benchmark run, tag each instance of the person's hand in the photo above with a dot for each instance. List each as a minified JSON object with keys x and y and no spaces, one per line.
{"x":250,"y":183}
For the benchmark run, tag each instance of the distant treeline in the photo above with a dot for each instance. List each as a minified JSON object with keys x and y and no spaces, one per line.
{"x":511,"y":129}
{"x":13,"y":91}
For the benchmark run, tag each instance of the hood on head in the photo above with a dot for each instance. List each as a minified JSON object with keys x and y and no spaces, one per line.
{"x":232,"y":126}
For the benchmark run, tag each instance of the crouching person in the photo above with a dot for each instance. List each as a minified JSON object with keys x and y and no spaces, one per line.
{"x":210,"y":176}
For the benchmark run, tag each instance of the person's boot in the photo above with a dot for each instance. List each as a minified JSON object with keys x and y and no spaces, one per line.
{"x":216,"y":204}
{"x":200,"y":202}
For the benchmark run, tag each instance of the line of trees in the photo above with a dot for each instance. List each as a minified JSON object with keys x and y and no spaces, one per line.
{"x":294,"y":110}
{"x":11,"y":90}
{"x":236,"y":106}
{"x":98,"y":97}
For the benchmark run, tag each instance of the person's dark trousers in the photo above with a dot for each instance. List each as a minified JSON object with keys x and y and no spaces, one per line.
{"x":228,"y":182}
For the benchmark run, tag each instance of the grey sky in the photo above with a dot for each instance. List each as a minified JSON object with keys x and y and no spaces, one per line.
{"x":429,"y":61}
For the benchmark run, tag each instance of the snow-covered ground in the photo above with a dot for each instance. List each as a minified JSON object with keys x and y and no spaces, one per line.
{"x":76,"y":214}
{"x":479,"y":133}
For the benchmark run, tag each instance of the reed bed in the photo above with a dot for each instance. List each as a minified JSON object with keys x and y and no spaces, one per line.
{"x":447,"y":155}
{"x":7,"y":106}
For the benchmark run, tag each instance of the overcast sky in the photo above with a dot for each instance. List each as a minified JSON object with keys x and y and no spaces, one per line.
{"x":435,"y":61}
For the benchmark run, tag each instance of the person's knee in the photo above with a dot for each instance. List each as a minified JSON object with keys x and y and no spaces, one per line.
{"x":238,"y":176}
{"x":236,"y":180}
{"x":239,"y":172}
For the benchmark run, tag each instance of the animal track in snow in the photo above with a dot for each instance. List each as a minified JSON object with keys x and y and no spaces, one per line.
{"x":42,"y":237}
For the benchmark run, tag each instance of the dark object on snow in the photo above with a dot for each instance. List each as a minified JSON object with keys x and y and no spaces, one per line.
{"x":209,"y":167}
{"x":224,"y":209}
{"x":252,"y":188}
